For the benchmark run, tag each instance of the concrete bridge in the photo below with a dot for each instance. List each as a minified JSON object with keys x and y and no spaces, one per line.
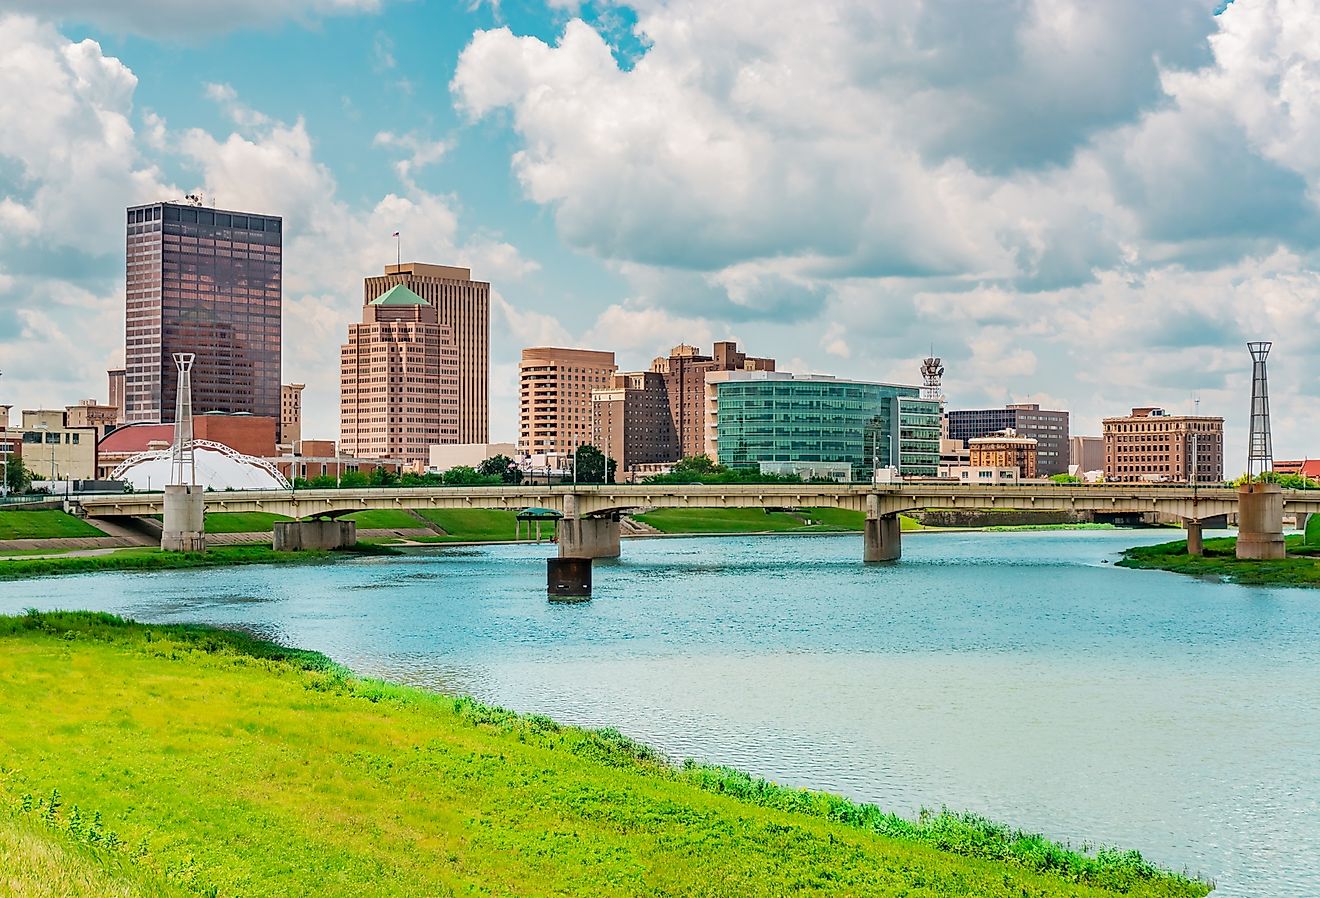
{"x":590,"y":528}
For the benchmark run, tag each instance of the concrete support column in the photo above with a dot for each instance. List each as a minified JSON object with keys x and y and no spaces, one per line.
{"x":295,"y":536}
{"x":183,"y":528}
{"x":1260,"y":521}
{"x":589,"y":537}
{"x":882,"y":538}
{"x":1302,"y":517}
{"x":1195,"y":545}
{"x":568,"y":579}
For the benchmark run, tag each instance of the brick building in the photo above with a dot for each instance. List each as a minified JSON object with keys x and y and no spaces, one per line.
{"x":631,"y":421}
{"x":1152,"y":445}
{"x":1004,"y":450}
{"x":684,"y":371}
{"x":554,"y":397}
{"x":1047,"y":427}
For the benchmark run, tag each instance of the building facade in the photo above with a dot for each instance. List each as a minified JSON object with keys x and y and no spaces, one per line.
{"x":1152,"y":445}
{"x":1048,"y":428}
{"x":463,"y":306}
{"x":398,"y":381}
{"x":631,"y":423}
{"x":291,"y":413}
{"x":90,"y":413}
{"x":204,"y":281}
{"x":554,"y":397}
{"x":767,"y":416}
{"x":115,"y":377}
{"x":684,"y":371}
{"x":53,"y":450}
{"x":1003,"y":450}
{"x":1086,"y":454}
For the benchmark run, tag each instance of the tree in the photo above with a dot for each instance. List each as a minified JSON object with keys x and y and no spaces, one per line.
{"x":592,"y":466}
{"x":503,"y":467}
{"x":383,"y":476}
{"x":17,"y":475}
{"x":352,"y":480}
{"x":465,"y":475}
{"x":1066,"y":478}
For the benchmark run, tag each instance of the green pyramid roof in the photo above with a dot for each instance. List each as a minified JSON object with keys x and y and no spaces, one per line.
{"x":398,"y":295}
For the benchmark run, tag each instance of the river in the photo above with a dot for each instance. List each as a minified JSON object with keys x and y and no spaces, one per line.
{"x":1019,"y":675}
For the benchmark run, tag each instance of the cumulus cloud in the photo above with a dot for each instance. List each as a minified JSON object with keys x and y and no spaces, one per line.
{"x":420,"y":152}
{"x":1047,"y":188}
{"x":159,"y":18}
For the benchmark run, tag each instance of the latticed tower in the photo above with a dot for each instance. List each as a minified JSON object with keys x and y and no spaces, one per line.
{"x":932,"y":373}
{"x":1260,"y":450}
{"x":183,"y":470}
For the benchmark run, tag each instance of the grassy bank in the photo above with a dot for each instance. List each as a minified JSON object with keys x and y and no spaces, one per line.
{"x":186,"y":761}
{"x":153,"y":559}
{"x":1300,"y":568}
{"x":46,"y":523}
{"x":478,"y":524}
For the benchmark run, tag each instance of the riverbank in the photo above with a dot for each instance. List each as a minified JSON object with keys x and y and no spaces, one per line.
{"x":153,"y":559}
{"x":147,"y":760}
{"x":1300,"y":568}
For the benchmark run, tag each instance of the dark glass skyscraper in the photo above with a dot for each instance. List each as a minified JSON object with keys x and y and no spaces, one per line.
{"x":204,"y":281}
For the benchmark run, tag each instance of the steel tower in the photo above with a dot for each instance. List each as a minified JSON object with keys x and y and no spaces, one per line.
{"x":1260,"y":450}
{"x":183,"y":469}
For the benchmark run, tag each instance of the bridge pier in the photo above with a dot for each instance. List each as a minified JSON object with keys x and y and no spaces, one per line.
{"x":882,"y":535}
{"x":183,"y":525}
{"x":1195,"y":545}
{"x":295,"y":536}
{"x":1300,"y":519}
{"x":589,"y":537}
{"x":1260,"y":521}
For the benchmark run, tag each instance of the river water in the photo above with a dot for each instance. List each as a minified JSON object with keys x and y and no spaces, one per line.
{"x":1019,"y":675}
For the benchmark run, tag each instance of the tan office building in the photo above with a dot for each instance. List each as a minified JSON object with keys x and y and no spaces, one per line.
{"x":53,"y":450}
{"x":90,"y":413}
{"x":685,"y":370}
{"x":554,"y":397}
{"x":1004,"y":450}
{"x":1086,"y":453}
{"x":398,"y":381}
{"x":631,"y":424}
{"x":1152,"y":445}
{"x":463,"y":306}
{"x":290,"y":413}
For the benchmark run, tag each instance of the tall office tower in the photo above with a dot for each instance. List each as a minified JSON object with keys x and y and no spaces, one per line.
{"x":555,"y":386}
{"x":1048,"y":428}
{"x":685,"y":380}
{"x":398,"y":381}
{"x":291,"y":413}
{"x":203,"y":281}
{"x":463,"y":306}
{"x":116,"y":397}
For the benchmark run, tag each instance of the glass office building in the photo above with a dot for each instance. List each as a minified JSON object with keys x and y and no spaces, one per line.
{"x":205,"y":281}
{"x":776,"y":417}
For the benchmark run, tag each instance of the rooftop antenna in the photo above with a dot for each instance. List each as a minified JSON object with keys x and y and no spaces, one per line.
{"x":932,"y":373}
{"x":1260,"y":450}
{"x":183,"y":468}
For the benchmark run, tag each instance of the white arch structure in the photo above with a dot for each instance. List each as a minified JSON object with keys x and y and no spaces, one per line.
{"x":218,"y":467}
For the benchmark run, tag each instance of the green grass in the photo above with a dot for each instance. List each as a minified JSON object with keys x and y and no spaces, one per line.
{"x":153,"y":559}
{"x":386,"y":519}
{"x":19,"y":553}
{"x":478,"y":524}
{"x":720,"y":520}
{"x":1313,"y":530}
{"x":46,"y":523}
{"x":242,"y":521}
{"x":1220,"y":561}
{"x":203,"y":762}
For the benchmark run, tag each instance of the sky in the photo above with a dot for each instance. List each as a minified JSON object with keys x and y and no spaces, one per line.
{"x":1088,"y":205}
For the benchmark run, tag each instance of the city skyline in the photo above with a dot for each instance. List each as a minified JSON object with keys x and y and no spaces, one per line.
{"x":1141,"y":274}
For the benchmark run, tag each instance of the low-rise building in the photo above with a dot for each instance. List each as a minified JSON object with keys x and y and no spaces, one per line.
{"x":1049,"y":428}
{"x":53,"y":450}
{"x":251,"y":435}
{"x":471,"y":455}
{"x":1086,"y":454}
{"x":1003,"y":450}
{"x":1151,"y":445}
{"x":773,"y":416}
{"x":90,"y":413}
{"x":982,"y":475}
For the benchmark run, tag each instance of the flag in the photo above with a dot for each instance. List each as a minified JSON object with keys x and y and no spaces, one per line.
{"x":395,"y":234}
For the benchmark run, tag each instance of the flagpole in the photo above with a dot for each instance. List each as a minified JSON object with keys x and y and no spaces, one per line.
{"x":398,"y":253}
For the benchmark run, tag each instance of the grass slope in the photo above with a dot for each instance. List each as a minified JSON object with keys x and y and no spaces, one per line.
{"x":222,"y":765}
{"x":1220,"y":561}
{"x":756,"y":520}
{"x":242,"y":521}
{"x":386,"y":519}
{"x":152,"y":559}
{"x":1313,"y":530}
{"x":46,"y":523}
{"x":478,"y":524}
